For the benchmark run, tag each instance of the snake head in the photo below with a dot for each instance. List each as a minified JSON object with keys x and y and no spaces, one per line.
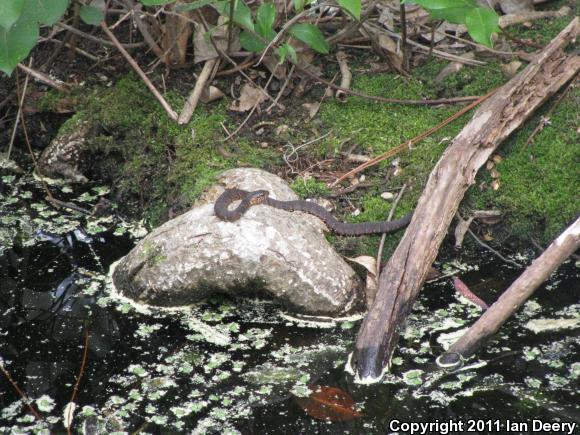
{"x":258,"y":196}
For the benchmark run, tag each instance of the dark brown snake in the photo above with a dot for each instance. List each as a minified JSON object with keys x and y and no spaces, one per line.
{"x":248,"y":199}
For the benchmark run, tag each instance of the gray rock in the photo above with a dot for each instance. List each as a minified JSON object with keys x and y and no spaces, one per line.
{"x":281,"y":253}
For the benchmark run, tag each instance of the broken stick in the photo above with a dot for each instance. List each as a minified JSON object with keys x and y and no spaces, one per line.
{"x":493,"y":122}
{"x":517,"y":293}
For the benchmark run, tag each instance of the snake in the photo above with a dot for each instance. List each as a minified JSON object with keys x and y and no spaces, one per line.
{"x":248,"y":199}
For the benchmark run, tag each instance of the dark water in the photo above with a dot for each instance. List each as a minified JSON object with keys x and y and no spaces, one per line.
{"x":237,"y":366}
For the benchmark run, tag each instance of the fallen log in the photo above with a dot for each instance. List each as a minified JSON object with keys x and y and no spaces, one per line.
{"x":493,"y":122}
{"x":517,"y":293}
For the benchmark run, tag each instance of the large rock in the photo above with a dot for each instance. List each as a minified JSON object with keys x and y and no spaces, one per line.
{"x":284,"y":254}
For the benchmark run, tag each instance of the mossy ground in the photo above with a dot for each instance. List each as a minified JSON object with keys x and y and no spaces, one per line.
{"x":159,"y":165}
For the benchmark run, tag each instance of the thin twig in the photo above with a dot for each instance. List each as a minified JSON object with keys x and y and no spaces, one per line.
{"x":546,"y":118}
{"x":66,"y":44}
{"x":193,"y":99}
{"x":34,"y":161}
{"x":98,"y":40}
{"x":493,"y":251}
{"x":79,"y":377}
{"x":281,"y":33}
{"x":229,"y":59}
{"x":172,"y":114}
{"x":389,"y":100}
{"x":415,"y":140}
{"x":249,"y":114}
{"x":43,"y":78}
{"x":21,"y":393}
{"x":135,"y":11}
{"x":403,"y":16}
{"x":282,"y":89}
{"x":19,"y":113}
{"x":425,"y":49}
{"x":384,"y":236}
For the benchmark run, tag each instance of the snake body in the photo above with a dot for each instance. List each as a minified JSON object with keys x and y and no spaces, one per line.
{"x":248,"y":199}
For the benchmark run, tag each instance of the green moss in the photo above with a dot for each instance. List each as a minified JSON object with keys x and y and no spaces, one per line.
{"x":152,"y":161}
{"x":538,"y":182}
{"x":543,"y":31}
{"x":309,"y":188}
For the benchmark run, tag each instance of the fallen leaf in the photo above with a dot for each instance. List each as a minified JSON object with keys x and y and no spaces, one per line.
{"x":495,"y":184}
{"x":329,"y":403}
{"x":250,"y":96}
{"x":312,"y":109}
{"x":366,"y":261}
{"x":510,"y":69}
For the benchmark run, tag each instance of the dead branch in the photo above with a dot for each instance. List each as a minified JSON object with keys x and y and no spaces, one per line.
{"x":140,"y":72}
{"x":43,"y":78}
{"x":511,"y":19}
{"x":493,"y":122}
{"x":346,"y":76}
{"x":193,"y":99}
{"x":413,"y":141}
{"x":517,"y":293}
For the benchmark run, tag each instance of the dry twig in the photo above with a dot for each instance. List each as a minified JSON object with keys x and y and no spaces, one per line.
{"x":140,"y":72}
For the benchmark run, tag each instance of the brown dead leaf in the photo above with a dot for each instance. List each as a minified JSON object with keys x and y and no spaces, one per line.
{"x":312,"y":109}
{"x":494,"y":173}
{"x":176,"y":32}
{"x":510,"y":69}
{"x":250,"y":96}
{"x":496,"y":158}
{"x":495,"y":184}
{"x":329,"y":403}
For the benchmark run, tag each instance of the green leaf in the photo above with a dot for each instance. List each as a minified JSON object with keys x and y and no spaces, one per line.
{"x":298,"y":5}
{"x":250,"y":42}
{"x":91,"y":15}
{"x":156,"y":2}
{"x":311,"y":36}
{"x":10,"y":11}
{"x":195,"y":5}
{"x":47,"y":11}
{"x":445,"y":4}
{"x":242,"y":13}
{"x":265,"y":18}
{"x":16,"y":43}
{"x":286,"y":50}
{"x":351,"y":6}
{"x":453,"y":15}
{"x":481,"y":24}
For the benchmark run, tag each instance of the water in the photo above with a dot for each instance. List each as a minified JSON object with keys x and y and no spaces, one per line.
{"x":238,"y":365}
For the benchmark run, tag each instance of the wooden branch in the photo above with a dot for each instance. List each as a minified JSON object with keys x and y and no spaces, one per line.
{"x":200,"y":86}
{"x":517,"y":293}
{"x":170,"y":112}
{"x":493,"y":122}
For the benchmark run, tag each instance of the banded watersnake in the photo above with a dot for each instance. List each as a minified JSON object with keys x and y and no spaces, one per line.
{"x":248,"y":199}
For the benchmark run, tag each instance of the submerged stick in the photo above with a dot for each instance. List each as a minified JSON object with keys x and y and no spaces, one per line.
{"x":494,"y":121}
{"x":517,"y":293}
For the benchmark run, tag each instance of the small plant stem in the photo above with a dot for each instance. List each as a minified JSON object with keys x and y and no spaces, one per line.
{"x":403,"y":14}
{"x":172,"y":114}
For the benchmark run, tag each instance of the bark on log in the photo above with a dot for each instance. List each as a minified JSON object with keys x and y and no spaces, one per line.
{"x":494,"y":121}
{"x":520,"y":290}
